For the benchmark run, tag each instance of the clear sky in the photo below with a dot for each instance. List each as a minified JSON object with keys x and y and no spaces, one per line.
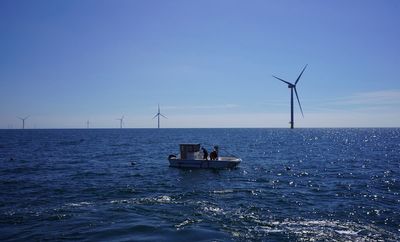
{"x":207,"y":63}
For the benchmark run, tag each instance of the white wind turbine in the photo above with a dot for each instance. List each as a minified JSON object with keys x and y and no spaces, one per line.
{"x":158,"y":116}
{"x":23,"y":121}
{"x":121,"y":121}
{"x":292,"y":87}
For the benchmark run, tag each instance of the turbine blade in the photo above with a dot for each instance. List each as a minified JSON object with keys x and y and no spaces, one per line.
{"x":163,"y":116}
{"x":283,"y":80}
{"x":298,"y":78}
{"x":298,"y":100}
{"x":155,"y":116}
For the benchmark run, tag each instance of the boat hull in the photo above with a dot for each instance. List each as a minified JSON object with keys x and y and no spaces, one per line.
{"x":221,"y":163}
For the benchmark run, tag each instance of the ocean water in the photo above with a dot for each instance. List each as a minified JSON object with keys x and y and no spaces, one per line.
{"x":116,"y":185}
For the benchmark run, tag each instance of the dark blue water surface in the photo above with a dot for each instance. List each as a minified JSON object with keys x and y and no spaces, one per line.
{"x":116,"y":185}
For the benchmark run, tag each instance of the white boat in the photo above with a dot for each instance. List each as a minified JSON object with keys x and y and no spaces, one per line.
{"x":191,"y":157}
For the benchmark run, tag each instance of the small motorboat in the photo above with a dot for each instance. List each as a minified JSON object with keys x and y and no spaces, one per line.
{"x":191,"y":157}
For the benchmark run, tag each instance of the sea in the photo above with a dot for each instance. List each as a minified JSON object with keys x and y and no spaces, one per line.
{"x":116,"y":185}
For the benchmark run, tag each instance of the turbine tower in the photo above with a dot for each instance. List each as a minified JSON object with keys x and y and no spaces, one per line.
{"x":87,"y":124}
{"x":293,"y":87}
{"x":121,"y":121}
{"x":23,"y":121}
{"x":158,"y":116}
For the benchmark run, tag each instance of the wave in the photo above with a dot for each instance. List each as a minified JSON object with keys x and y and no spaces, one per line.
{"x":146,"y":200}
{"x":311,"y":230}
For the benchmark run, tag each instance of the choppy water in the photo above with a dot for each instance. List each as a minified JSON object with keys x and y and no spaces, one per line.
{"x":116,"y":185}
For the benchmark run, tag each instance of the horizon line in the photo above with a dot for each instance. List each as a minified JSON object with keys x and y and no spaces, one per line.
{"x":361,"y":127}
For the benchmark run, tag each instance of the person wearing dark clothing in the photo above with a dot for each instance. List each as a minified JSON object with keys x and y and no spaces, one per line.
{"x":205,"y":153}
{"x":214,"y":154}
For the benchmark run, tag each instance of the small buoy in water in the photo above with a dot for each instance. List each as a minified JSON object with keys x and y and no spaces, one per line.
{"x":288,"y":168}
{"x":133,"y":163}
{"x":11,"y":159}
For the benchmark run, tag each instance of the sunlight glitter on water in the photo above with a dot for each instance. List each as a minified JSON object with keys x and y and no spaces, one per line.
{"x":326,"y":184}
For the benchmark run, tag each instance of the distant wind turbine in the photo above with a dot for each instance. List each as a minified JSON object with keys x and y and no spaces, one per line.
{"x":87,"y":124}
{"x":23,"y":121}
{"x":121,"y":121}
{"x":158,"y":116}
{"x":293,"y":86}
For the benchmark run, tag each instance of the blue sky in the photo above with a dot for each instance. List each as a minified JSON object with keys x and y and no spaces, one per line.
{"x":208,"y":63}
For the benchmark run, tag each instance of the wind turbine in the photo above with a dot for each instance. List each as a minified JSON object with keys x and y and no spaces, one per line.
{"x":23,"y":121}
{"x":87,"y":124}
{"x":121,"y":121}
{"x":158,"y":115}
{"x":293,"y":87}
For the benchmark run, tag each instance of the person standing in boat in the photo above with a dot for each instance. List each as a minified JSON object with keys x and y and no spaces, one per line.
{"x":214,"y":154}
{"x":205,"y":153}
